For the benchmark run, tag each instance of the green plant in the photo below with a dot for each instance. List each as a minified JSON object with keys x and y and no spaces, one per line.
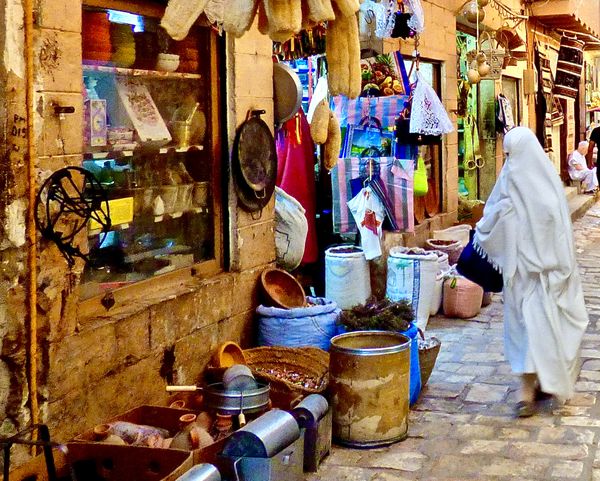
{"x":382,"y":315}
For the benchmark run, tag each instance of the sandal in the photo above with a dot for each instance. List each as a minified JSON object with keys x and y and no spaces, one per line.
{"x":525,"y":409}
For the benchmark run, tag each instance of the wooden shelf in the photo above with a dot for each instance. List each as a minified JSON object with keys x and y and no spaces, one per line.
{"x":157,"y":218}
{"x":134,"y":72}
{"x":111,"y":154}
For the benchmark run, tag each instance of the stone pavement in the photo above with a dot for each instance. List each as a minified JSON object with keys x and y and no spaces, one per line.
{"x":462,"y":428}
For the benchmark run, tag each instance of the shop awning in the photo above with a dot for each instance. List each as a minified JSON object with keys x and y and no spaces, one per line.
{"x":571,"y":24}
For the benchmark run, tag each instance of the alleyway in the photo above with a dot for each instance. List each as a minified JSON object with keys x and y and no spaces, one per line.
{"x":462,"y":427}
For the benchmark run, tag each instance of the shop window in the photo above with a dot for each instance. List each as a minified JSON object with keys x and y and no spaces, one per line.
{"x":151,"y":138}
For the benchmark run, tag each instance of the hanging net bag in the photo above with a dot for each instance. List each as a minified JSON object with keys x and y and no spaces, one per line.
{"x":428,"y":116}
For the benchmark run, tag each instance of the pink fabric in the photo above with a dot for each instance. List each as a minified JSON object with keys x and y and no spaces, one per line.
{"x":296,"y":174}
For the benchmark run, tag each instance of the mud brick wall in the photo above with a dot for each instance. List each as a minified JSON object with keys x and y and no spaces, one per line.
{"x":95,"y":367}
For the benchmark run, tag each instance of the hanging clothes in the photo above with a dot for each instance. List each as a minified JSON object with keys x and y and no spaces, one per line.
{"x":505,"y":113}
{"x":296,"y":174}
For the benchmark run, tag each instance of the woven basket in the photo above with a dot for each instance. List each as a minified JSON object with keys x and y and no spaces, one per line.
{"x":428,"y":353}
{"x":310,"y":363}
{"x":462,"y":298}
{"x":451,"y":247}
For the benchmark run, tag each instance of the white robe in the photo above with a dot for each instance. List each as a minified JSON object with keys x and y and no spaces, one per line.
{"x":526,"y":232}
{"x":586,"y":176}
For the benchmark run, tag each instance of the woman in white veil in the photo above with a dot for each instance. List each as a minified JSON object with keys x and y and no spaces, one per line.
{"x":526,"y":233}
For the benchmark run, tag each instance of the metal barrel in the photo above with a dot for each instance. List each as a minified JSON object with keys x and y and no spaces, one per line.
{"x":369,"y":382}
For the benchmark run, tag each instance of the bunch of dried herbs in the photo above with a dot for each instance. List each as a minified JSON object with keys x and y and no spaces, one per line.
{"x":384,"y":315}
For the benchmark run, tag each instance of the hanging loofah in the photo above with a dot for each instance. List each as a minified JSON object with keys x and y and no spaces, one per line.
{"x":347,"y":7}
{"x":180,"y":15}
{"x":238,"y":16}
{"x":319,"y":11}
{"x":320,"y":123}
{"x":334,"y":142}
{"x":343,"y":56}
{"x":284,"y":18}
{"x":354,"y":68}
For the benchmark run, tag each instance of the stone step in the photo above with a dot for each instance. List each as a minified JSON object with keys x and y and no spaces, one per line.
{"x":570,"y":191}
{"x":580,"y":204}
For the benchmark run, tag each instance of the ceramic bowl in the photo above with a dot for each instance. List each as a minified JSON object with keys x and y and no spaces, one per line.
{"x":167,"y":62}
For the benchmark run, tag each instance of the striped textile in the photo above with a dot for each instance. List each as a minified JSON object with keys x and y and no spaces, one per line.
{"x":569,"y":68}
{"x":351,"y":111}
{"x":397,"y":177}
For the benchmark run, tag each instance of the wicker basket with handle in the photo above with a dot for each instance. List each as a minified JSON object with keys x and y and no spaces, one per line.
{"x":428,"y":353}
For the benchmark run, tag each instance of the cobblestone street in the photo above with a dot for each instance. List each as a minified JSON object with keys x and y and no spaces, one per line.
{"x":462,"y":428}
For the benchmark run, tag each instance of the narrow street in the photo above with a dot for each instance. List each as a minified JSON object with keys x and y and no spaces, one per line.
{"x":462,"y":428}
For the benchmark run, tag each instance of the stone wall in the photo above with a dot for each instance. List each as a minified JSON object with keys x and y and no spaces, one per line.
{"x":91,"y":366}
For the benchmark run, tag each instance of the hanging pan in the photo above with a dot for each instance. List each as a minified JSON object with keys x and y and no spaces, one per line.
{"x":254,"y":163}
{"x":287,"y":93}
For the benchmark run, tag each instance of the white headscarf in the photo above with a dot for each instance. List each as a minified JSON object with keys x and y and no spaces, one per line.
{"x":526,"y":232}
{"x":526,"y":218}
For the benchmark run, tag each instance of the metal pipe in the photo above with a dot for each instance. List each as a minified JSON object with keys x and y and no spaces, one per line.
{"x":31,"y":230}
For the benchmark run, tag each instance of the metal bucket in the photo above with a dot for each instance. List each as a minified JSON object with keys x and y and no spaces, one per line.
{"x":369,"y":382}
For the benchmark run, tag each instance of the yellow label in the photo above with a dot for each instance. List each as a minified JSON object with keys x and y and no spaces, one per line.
{"x":120,"y":210}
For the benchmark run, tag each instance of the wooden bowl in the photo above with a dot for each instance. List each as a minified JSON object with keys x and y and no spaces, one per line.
{"x":228,"y":354}
{"x":281,"y":289}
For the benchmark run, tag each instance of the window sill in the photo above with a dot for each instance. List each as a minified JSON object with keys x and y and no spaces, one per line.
{"x":130,"y":300}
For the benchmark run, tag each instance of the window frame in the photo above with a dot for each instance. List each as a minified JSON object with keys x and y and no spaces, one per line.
{"x":135,"y":296}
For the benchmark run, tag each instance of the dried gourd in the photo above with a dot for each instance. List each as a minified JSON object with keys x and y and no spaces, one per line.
{"x":238,"y":16}
{"x":333,"y":144}
{"x":320,"y":123}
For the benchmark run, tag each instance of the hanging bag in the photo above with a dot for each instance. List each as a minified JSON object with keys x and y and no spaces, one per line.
{"x":428,"y":115}
{"x":475,"y":267}
{"x":402,"y":128}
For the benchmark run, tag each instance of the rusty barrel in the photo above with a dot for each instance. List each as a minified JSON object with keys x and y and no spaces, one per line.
{"x":369,"y":382}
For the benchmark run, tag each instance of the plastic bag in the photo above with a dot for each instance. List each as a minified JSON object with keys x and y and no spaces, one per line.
{"x":291,"y":229}
{"x":428,"y":115}
{"x":421,"y":187}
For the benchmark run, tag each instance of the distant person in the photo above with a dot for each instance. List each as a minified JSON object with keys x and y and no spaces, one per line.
{"x":578,"y":169}
{"x":591,"y":157}
{"x":526,"y":232}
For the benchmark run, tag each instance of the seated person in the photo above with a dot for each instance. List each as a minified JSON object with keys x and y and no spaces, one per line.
{"x":578,"y":169}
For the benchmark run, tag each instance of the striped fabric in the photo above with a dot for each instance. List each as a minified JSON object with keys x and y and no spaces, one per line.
{"x":569,"y":68}
{"x":386,"y":109}
{"x":397,"y":177}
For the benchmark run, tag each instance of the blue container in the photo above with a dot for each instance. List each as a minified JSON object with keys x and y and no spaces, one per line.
{"x":415,"y":368}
